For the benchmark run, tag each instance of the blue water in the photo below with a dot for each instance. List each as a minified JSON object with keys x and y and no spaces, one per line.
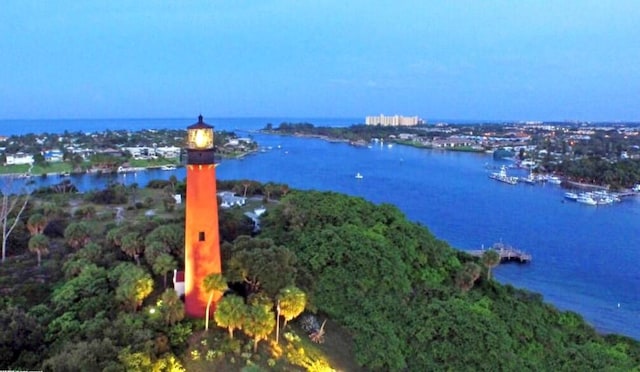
{"x":585,"y":259}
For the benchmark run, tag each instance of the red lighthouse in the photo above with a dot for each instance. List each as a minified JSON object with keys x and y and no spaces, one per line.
{"x":201,"y":233}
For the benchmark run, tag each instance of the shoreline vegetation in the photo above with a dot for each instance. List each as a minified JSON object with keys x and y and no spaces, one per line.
{"x":93,"y":293}
{"x":583,"y":156}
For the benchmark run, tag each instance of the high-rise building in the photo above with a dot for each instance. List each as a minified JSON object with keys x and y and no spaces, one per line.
{"x":202,"y":242}
{"x":395,"y":120}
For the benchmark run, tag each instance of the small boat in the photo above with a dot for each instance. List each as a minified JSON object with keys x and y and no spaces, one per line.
{"x":571,"y":196}
{"x":586,"y":199}
{"x":359,"y":176}
{"x":530,"y":179}
{"x":554,"y":180}
{"x":168,"y":167}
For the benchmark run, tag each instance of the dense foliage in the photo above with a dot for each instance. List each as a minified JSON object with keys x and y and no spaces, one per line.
{"x":395,"y":287}
{"x":93,"y":294}
{"x":599,"y":171}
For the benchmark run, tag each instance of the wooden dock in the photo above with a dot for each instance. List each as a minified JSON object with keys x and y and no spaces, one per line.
{"x":507,"y":253}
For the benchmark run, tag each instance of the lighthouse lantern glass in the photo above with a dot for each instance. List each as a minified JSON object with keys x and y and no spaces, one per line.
{"x":201,"y":138}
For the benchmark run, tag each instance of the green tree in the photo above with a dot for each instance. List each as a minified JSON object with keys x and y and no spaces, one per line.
{"x":39,"y":244}
{"x":21,"y":339}
{"x":171,"y":308}
{"x":291,"y":303}
{"x":77,"y":234}
{"x":36,"y":223}
{"x":131,"y":244}
{"x":171,"y":236}
{"x":163,"y":264}
{"x":490,"y":259}
{"x":213,"y":283}
{"x":258,"y":324}
{"x":93,"y":355}
{"x":230,"y":313}
{"x":261,"y":265}
{"x":467,"y":276}
{"x":39,"y":160}
{"x":134,"y":285}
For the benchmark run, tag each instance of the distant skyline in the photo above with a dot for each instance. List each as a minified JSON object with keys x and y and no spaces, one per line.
{"x":457,"y":60}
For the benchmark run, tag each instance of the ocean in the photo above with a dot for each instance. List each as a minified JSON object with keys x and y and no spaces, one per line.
{"x":585,"y":259}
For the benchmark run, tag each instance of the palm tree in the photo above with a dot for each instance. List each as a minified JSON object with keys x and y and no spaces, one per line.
{"x":39,"y":244}
{"x":134,"y":285}
{"x":162,"y":264}
{"x":259,"y":324}
{"x":230,"y":313}
{"x":52,"y":211}
{"x":173,"y":181}
{"x":172,"y":308}
{"x":246,"y":185}
{"x":134,"y":189}
{"x":212,"y":284}
{"x":291,"y":303}
{"x":132,"y":245}
{"x":268,"y":189}
{"x":77,"y":234}
{"x":36,"y":223}
{"x":468,"y":275}
{"x":114,"y":236}
{"x":490,"y":259}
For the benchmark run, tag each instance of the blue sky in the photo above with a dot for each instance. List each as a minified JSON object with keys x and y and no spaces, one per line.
{"x":498,"y":60}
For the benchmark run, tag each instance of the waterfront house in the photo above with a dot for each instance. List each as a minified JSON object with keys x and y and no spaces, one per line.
{"x":53,"y":156}
{"x":19,"y":158}
{"x":228,"y":199}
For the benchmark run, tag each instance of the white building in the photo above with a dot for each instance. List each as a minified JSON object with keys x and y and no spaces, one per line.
{"x":395,"y":120}
{"x":143,"y":152}
{"x":19,"y":158}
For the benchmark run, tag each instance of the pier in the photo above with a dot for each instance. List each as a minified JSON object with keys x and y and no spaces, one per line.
{"x":507,"y":253}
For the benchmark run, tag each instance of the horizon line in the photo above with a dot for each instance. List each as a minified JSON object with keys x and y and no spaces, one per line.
{"x":428,"y":120}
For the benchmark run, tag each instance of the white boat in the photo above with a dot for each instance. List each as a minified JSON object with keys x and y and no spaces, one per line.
{"x":168,"y":167}
{"x":359,"y":176}
{"x":502,"y":176}
{"x":587,"y":199}
{"x":530,"y":179}
{"x":571,"y":196}
{"x":554,"y":180}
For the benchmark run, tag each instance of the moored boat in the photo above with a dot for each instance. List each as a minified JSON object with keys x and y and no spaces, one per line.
{"x":502,"y":176}
{"x":554,"y":180}
{"x":587,"y":199}
{"x":571,"y":196}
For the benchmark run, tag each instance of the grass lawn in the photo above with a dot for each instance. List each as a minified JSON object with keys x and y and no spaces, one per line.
{"x":147,"y":163}
{"x":48,"y":168}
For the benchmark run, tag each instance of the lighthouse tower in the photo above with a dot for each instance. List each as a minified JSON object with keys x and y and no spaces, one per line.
{"x":201,"y":240}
